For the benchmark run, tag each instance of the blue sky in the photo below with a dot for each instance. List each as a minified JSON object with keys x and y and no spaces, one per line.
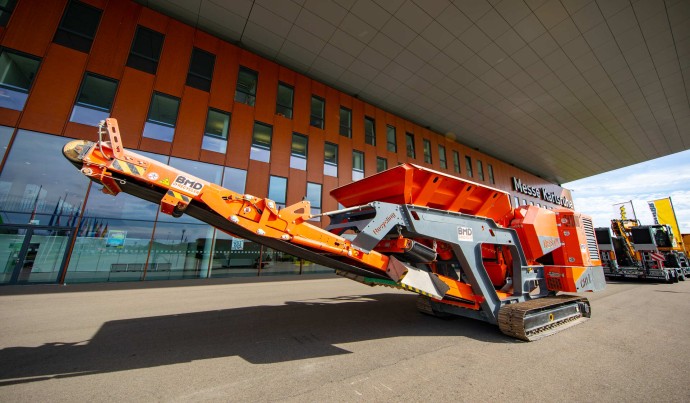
{"x":643,"y":182}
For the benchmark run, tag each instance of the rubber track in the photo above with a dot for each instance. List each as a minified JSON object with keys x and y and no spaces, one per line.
{"x":511,"y":317}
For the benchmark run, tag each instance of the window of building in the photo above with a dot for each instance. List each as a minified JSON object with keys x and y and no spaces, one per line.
{"x":391,"y":141}
{"x":468,"y":165}
{"x":516,"y":200}
{"x":216,"y":133}
{"x":160,"y":124}
{"x":78,"y":26}
{"x":318,"y":111}
{"x":247,"y":80}
{"x":330,"y":159}
{"x":442,"y":157}
{"x":314,"y":198}
{"x":345,"y":122}
{"x":146,"y":50}
{"x":480,"y":170}
{"x":261,"y":142}
{"x":491,"y":173}
{"x":456,"y":162}
{"x":6,"y":8}
{"x":409,"y":143}
{"x":277,"y":190}
{"x":524,"y":202}
{"x":17,"y":72}
{"x":200,"y":71}
{"x":357,"y":165}
{"x":234,"y":179}
{"x":381,"y":164}
{"x":285,"y":100}
{"x":369,"y":131}
{"x":427,"y":151}
{"x":95,"y":100}
{"x":298,"y":152}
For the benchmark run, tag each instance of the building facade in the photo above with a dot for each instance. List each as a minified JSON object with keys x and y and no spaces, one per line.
{"x":200,"y":104}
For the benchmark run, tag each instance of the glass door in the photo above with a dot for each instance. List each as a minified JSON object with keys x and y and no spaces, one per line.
{"x":30,"y":254}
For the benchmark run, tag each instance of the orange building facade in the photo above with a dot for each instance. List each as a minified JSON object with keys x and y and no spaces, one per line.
{"x":198,"y":103}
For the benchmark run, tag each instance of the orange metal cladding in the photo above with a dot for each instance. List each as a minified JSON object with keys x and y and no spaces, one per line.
{"x":258,"y":215}
{"x":574,"y":251}
{"x":412,"y":184}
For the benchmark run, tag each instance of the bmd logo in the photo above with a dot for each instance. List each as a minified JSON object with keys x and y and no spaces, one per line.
{"x":465,"y":234}
{"x":189,"y":185}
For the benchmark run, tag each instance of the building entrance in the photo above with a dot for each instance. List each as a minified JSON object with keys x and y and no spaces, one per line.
{"x":31,"y":254}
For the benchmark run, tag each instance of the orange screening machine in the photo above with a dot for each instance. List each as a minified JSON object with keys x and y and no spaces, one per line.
{"x":457,"y":244}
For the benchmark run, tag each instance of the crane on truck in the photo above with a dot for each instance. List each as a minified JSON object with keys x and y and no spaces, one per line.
{"x":631,"y":250}
{"x":456,"y":243}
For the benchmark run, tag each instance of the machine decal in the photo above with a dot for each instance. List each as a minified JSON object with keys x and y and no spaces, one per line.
{"x":187,"y":184}
{"x":165,"y":182}
{"x":153,"y":176}
{"x":465,"y":234}
{"x":128,"y":168}
{"x":385,"y":223}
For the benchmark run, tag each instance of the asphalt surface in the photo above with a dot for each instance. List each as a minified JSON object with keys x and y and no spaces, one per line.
{"x":327,"y":339}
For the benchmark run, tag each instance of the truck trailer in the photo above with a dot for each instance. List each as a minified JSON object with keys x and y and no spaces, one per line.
{"x":459,"y":245}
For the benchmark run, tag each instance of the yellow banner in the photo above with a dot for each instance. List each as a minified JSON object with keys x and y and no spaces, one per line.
{"x":663,"y":213}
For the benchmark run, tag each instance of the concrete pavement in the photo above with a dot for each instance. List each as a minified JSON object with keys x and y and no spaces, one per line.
{"x":327,"y":339}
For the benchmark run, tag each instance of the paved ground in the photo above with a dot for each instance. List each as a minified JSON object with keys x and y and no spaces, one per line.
{"x":327,"y":339}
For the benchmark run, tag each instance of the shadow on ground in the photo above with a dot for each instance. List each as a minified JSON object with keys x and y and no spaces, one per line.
{"x":260,"y":335}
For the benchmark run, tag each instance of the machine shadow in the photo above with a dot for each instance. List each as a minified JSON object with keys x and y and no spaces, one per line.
{"x":260,"y":335}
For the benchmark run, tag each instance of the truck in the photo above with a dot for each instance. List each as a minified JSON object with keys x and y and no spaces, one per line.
{"x":630,"y":250}
{"x":459,"y":245}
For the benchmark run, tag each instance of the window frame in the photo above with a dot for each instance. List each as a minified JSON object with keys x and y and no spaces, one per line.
{"x":195,"y":75}
{"x":409,"y":142}
{"x":132,"y":52}
{"x":347,"y":128}
{"x":385,"y":164}
{"x":468,"y":166}
{"x":271,"y":186}
{"x":248,"y":95}
{"x":289,"y":108}
{"x":456,"y":162}
{"x":333,"y":165}
{"x":321,"y":118}
{"x":442,"y":157}
{"x":490,"y":170}
{"x":391,"y":146}
{"x":370,"y":138}
{"x":58,"y":36}
{"x":81,"y":88}
{"x":480,"y":170}
{"x":428,"y":158}
{"x":6,"y":12}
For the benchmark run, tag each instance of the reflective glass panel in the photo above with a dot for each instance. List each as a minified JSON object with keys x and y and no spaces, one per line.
{"x":277,"y":190}
{"x":17,"y":72}
{"x":234,"y":179}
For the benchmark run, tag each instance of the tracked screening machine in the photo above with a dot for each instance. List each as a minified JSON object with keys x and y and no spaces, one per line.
{"x":457,"y":244}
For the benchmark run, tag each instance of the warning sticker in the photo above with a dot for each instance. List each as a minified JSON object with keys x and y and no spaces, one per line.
{"x":465,"y":234}
{"x":188,"y":184}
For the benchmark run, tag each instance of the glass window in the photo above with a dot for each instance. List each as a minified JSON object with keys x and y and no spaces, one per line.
{"x":318,"y":111}
{"x":208,"y":172}
{"x":480,"y":170}
{"x":277,"y":190}
{"x":468,"y":165}
{"x":200,"y":71}
{"x":95,"y":100}
{"x":442,"y":157}
{"x":216,"y":133}
{"x":427,"y":151}
{"x":6,"y":8}
{"x":160,"y":124}
{"x":369,"y":131}
{"x":17,"y":72}
{"x":5,"y":136}
{"x":78,"y":26}
{"x":330,"y":158}
{"x":261,"y":142}
{"x":409,"y":143}
{"x":32,"y":193}
{"x":235,"y":179}
{"x":357,"y":165}
{"x":285,"y":100}
{"x":491,"y":173}
{"x":247,"y":80}
{"x":456,"y":162}
{"x":146,"y":50}
{"x":381,"y":164}
{"x":345,"y":122}
{"x":516,"y":200}
{"x":314,"y":198}
{"x":298,"y":152}
{"x":391,"y":142}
